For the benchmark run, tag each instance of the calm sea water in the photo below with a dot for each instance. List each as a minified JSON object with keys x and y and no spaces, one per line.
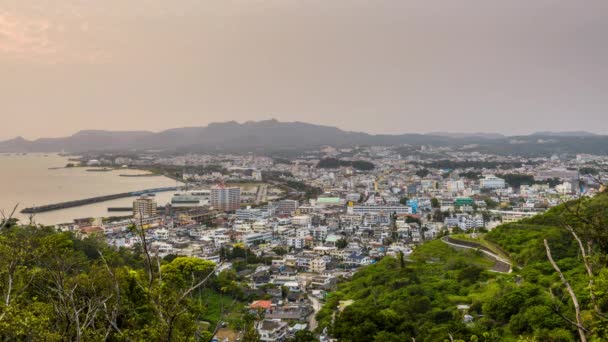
{"x":27,"y":180}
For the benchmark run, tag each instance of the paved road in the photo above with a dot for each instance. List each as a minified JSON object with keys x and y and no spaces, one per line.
{"x":316,"y":305}
{"x":503,"y":266}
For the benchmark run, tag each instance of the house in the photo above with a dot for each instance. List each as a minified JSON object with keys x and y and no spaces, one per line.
{"x":292,"y":286}
{"x":323,"y":282}
{"x":259,"y":279}
{"x":272,"y":330}
{"x":357,"y":259}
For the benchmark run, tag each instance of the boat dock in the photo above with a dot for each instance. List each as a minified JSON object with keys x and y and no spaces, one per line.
{"x":92,"y":200}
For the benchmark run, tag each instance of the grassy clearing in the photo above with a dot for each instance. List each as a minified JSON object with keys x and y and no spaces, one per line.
{"x":219,"y":306}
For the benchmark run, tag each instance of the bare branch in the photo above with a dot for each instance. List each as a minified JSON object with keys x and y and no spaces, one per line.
{"x":577,"y":309}
{"x":199,"y":284}
{"x":112,"y":317}
{"x":588,"y":266}
{"x":6,"y":220}
{"x":142,"y":234}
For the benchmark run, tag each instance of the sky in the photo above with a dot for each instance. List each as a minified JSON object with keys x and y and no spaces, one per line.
{"x":379,"y":66}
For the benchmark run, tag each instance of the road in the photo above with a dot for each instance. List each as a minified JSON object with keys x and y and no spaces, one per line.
{"x":262,"y":194}
{"x":504,"y":266}
{"x":316,"y":306}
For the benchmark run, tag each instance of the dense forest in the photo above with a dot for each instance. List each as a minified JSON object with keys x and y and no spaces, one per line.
{"x":442,"y":294}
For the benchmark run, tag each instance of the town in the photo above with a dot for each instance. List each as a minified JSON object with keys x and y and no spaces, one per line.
{"x":284,"y":231}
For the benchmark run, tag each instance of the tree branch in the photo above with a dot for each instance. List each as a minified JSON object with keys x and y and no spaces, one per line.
{"x":6,"y":220}
{"x":577,"y":309}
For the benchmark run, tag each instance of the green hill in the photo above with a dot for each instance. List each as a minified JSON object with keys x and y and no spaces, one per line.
{"x":444,"y":294}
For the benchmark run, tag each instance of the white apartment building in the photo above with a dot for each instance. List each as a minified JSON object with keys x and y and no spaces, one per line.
{"x":253,"y":238}
{"x":377,"y":209}
{"x":296,"y":242}
{"x":492,"y":182}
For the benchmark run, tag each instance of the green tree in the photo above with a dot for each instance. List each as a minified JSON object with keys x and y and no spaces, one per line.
{"x":251,"y":334}
{"x":304,"y":336}
{"x":341,"y":243}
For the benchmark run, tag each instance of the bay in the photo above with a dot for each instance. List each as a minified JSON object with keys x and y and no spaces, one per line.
{"x":39,"y":179}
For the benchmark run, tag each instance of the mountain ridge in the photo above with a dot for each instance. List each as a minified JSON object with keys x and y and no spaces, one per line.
{"x":274,"y":135}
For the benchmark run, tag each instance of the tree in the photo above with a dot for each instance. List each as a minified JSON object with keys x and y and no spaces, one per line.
{"x":341,"y":243}
{"x":362,"y":165}
{"x":304,"y":336}
{"x":403,"y":200}
{"x":251,"y":334}
{"x":435,"y":203}
{"x":422,"y":173}
{"x":280,"y":251}
{"x":412,"y":219}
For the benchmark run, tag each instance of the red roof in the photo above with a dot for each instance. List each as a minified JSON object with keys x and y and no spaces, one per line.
{"x":264,"y":304}
{"x":89,"y":230}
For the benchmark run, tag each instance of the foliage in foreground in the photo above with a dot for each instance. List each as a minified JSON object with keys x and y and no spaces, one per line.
{"x":56,"y":287}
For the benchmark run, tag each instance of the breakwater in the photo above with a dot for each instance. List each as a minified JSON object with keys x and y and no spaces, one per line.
{"x":92,"y":200}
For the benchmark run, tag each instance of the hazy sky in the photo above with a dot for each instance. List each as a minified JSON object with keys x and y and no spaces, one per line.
{"x":390,"y":66}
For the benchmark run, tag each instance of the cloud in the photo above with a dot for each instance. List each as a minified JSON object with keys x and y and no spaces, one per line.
{"x":34,"y":38}
{"x":19,"y":35}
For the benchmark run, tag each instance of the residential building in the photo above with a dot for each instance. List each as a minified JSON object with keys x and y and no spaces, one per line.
{"x":492,"y":182}
{"x":272,"y":330}
{"x":286,"y":207}
{"x":144,"y":207}
{"x":226,"y":198}
{"x":375,"y":209}
{"x":318,"y":265}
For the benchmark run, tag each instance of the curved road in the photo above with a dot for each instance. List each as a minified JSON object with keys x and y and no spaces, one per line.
{"x":481,"y":248}
{"x":316,"y":306}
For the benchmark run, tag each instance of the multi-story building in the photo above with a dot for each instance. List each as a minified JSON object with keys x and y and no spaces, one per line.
{"x":252,"y":214}
{"x":318,"y":265}
{"x":256,"y":238}
{"x":353,"y":197}
{"x":286,"y":207}
{"x":302,"y":220}
{"x":144,"y":207}
{"x":492,"y":182}
{"x":296,"y":242}
{"x":376,"y":209}
{"x":319,"y":233}
{"x":226,"y":198}
{"x":464,"y":222}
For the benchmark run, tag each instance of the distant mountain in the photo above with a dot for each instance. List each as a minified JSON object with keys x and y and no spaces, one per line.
{"x":468,"y":135}
{"x":269,"y":135}
{"x":82,"y":141}
{"x":272,"y":136}
{"x":565,"y":134}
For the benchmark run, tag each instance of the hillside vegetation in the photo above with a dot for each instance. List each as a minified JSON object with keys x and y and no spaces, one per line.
{"x":442,"y":294}
{"x":55,"y":287}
